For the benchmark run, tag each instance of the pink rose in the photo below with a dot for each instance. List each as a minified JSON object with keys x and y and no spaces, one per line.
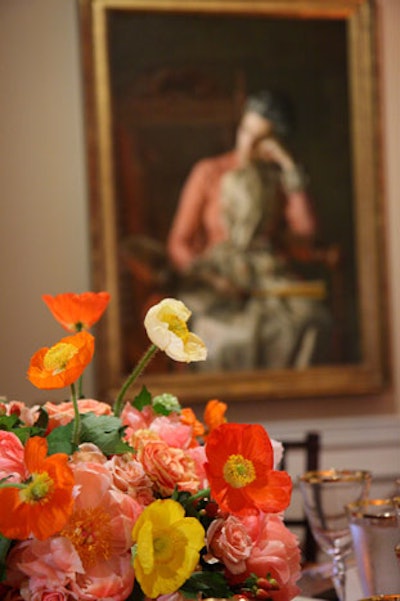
{"x":229,"y":542}
{"x":40,"y":591}
{"x":275,"y":551}
{"x":169,"y":467}
{"x":12,"y":458}
{"x":27,"y":415}
{"x":62,"y":414}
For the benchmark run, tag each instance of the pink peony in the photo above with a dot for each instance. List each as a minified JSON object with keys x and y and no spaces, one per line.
{"x":135,"y":419}
{"x":198,"y":454}
{"x":228,"y":541}
{"x":104,"y":515}
{"x":112,"y":580}
{"x":169,"y":467}
{"x":12,"y":462}
{"x":275,"y":551}
{"x":33,"y":564}
{"x":62,"y":414}
{"x":171,"y":430}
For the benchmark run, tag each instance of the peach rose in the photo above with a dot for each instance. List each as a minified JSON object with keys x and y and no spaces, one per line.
{"x":88,"y":452}
{"x":62,"y":414}
{"x":228,"y":541}
{"x":169,"y":467}
{"x":129,"y":477}
{"x":12,"y":458}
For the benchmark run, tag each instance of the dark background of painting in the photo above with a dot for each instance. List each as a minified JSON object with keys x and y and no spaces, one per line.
{"x":217,"y":58}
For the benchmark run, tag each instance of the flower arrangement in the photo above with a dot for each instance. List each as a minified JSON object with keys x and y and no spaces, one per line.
{"x":139,"y":499}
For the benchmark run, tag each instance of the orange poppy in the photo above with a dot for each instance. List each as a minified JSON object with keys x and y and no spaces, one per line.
{"x":42,"y":505}
{"x":240,"y":471}
{"x":188,"y":418}
{"x":214,"y":414}
{"x":76,"y":312}
{"x":63,"y":363}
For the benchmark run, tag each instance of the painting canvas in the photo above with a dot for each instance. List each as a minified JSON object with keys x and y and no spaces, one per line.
{"x":176,"y":82}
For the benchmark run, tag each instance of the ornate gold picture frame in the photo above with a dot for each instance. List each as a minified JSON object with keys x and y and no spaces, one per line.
{"x":126,"y":48}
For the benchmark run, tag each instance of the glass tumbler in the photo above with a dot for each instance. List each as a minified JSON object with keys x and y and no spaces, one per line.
{"x":375,"y":532}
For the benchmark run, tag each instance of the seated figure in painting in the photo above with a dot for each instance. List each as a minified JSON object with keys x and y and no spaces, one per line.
{"x":227,"y":243}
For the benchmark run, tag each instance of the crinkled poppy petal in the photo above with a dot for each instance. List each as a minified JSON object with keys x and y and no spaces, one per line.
{"x":275,"y":493}
{"x":258,"y":486}
{"x":76,"y":311}
{"x":20,"y":516}
{"x":165,"y":324}
{"x":36,"y":453}
{"x":43,"y":377}
{"x":214,"y":414}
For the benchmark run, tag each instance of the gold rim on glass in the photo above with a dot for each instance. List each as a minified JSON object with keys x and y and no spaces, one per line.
{"x":334,"y":475}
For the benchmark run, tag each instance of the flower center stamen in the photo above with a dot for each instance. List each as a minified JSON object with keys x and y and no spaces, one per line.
{"x":38,"y":490}
{"x":176,"y":325}
{"x":238,"y":471}
{"x":90,"y":532}
{"x":164,"y":545}
{"x":58,"y":356}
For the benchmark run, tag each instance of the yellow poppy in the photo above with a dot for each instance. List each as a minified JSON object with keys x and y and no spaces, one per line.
{"x":167,"y":547}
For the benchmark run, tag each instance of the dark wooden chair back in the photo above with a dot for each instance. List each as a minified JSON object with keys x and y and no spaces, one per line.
{"x":311,"y":445}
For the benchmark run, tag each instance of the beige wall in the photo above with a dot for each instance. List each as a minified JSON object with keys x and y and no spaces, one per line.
{"x":43,"y":225}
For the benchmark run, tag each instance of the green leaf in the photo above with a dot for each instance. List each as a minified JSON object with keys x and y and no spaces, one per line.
{"x":12,"y":423}
{"x":4,"y":547}
{"x":43,"y":419}
{"x":208,"y":584}
{"x":105,"y":431}
{"x":8,"y":422}
{"x":142,"y":399}
{"x":160,"y":409}
{"x":60,"y":440}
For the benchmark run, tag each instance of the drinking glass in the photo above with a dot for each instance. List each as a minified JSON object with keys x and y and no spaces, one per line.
{"x":325,"y":494}
{"x":375,"y":532}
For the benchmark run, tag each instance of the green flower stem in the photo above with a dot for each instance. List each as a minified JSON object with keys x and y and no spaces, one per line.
{"x":131,"y":379}
{"x":12,"y":485}
{"x":202,"y":494}
{"x":80,"y":388}
{"x":76,"y":433}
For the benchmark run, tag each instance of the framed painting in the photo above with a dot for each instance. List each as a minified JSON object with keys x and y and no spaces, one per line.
{"x":165,"y":84}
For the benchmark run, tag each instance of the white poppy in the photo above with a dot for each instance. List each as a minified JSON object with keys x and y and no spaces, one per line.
{"x":166,"y":326}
